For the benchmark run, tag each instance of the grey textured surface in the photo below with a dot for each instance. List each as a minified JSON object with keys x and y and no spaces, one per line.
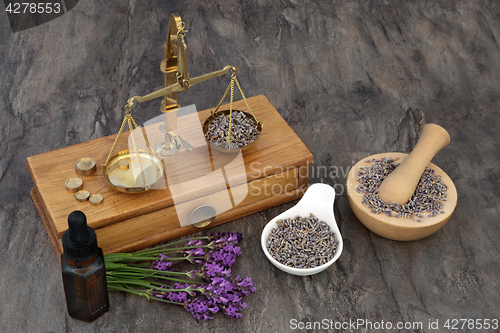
{"x":351,"y":78}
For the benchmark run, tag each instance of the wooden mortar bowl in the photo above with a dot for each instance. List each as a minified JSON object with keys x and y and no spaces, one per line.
{"x":401,"y":229}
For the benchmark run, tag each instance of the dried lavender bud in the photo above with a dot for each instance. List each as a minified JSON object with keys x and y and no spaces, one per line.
{"x":428,"y":199}
{"x":303,"y":242}
{"x":243,"y":130}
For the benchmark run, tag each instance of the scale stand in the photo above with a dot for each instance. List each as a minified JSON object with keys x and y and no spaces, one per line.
{"x":175,"y":69}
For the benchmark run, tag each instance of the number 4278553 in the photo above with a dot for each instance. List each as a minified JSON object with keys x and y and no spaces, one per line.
{"x":471,"y":324}
{"x":33,"y":8}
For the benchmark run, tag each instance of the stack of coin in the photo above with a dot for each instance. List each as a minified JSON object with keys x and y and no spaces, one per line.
{"x":84,"y":166}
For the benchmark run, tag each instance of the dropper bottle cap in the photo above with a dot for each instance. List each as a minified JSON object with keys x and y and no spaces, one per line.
{"x":79,"y":241}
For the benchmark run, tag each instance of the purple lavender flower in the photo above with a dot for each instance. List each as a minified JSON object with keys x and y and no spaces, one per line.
{"x":162,"y":264}
{"x":196,"y":252}
{"x":219,"y":286}
{"x":195,"y":242}
{"x":221,"y":257}
{"x":227,"y":294}
{"x":222,"y":237}
{"x":218,"y":291}
{"x":236,"y":237}
{"x":200,"y":308}
{"x":232,"y":311}
{"x":245,"y":286}
{"x":237,"y":251}
{"x":177,"y":296}
{"x":212,"y":269}
{"x":225,"y":255}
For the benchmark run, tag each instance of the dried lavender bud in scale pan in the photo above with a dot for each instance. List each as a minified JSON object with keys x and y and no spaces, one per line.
{"x":243,"y":130}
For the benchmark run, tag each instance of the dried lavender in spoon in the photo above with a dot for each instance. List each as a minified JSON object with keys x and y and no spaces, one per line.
{"x":303,"y":242}
{"x":243,"y":130}
{"x":428,"y":199}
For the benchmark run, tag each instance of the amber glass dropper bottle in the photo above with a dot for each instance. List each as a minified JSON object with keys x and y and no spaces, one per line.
{"x":83,"y":271}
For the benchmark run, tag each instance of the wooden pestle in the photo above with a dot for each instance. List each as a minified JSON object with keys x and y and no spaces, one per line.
{"x":400,"y":185}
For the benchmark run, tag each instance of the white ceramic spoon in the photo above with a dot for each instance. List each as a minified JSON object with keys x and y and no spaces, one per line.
{"x":318,"y":200}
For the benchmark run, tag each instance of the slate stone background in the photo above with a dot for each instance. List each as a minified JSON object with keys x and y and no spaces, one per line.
{"x":352,"y":78}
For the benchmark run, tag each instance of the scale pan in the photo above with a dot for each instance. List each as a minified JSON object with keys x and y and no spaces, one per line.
{"x":133,"y":172}
{"x":222,"y":149}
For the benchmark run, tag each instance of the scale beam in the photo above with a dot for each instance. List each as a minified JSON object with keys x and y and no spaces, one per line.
{"x":175,"y":68}
{"x":178,"y":87}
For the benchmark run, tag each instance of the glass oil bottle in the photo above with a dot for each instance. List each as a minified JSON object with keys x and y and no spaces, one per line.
{"x":83,"y":271}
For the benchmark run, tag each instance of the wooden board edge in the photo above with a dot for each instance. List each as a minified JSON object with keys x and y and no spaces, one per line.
{"x":46,"y":224}
{"x":303,"y":179}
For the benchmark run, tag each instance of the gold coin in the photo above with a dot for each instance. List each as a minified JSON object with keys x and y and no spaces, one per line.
{"x":85,"y":166}
{"x":96,"y":199}
{"x":82,"y":195}
{"x":74,"y":184}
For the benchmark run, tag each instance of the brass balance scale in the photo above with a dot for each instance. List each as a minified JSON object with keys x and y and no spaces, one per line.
{"x":148,"y":162}
{"x":273,"y":170}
